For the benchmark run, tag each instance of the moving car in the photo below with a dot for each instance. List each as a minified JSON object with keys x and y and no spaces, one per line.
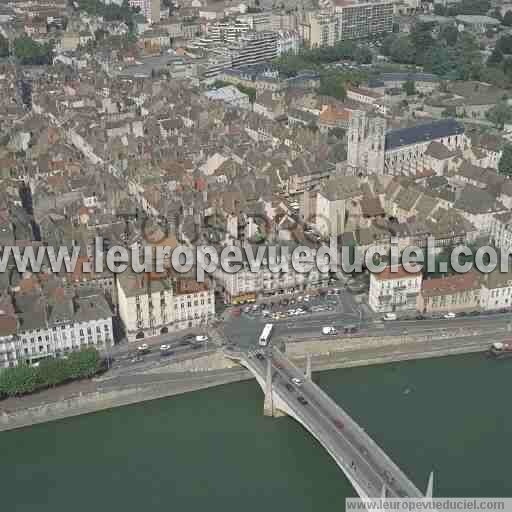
{"x":165,"y":348}
{"x":449,"y":316}
{"x":143,"y":349}
{"x":302,"y":400}
{"x":289,"y":387}
{"x":297,"y":381}
{"x":339,"y":424}
{"x":389,"y":316}
{"x":329,"y":331}
{"x":350,"y":329}
{"x":201,"y":338}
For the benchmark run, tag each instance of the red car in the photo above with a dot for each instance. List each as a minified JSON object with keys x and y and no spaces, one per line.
{"x":339,"y":424}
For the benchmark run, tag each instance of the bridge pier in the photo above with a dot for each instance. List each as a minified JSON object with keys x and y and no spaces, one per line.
{"x":308,"y":366}
{"x":269,"y":408}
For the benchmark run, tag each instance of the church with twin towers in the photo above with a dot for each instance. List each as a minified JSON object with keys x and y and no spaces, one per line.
{"x":375,"y":150}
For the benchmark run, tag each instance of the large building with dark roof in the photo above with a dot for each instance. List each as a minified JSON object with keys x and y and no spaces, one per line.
{"x":372,"y":149}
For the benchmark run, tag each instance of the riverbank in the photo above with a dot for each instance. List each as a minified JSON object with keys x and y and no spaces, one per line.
{"x":130,"y":389}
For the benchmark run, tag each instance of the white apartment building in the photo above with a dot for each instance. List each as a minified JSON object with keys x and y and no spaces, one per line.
{"x":49,"y":328}
{"x":194,"y":304}
{"x":349,"y":20}
{"x":152,"y":304}
{"x":8,"y":355}
{"x":229,"y":32}
{"x":246,"y":286}
{"x":394,"y":291}
{"x":501,"y":231}
{"x":255,"y":48}
{"x":150,"y":9}
{"x":288,"y":42}
{"x":496,"y":292}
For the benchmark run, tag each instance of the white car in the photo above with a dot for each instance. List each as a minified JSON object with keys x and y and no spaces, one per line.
{"x":449,"y":316}
{"x":201,"y":338}
{"x":144,"y":348}
{"x":165,"y":348}
{"x":329,"y":331}
{"x":297,"y":381}
{"x":389,"y":316}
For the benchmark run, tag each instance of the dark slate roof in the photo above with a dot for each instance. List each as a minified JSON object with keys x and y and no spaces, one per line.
{"x":422,"y":133}
{"x":375,"y":82}
{"x":416,"y":77}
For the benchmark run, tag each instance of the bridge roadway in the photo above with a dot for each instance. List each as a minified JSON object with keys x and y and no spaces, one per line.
{"x":372,"y":473}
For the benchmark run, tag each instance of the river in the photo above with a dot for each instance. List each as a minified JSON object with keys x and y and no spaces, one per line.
{"x":213,"y":450}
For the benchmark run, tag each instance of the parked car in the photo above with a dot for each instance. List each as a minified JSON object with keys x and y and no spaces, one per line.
{"x":143,"y":349}
{"x":302,"y":400}
{"x":201,"y":338}
{"x":297,"y":381}
{"x":350,"y":329}
{"x":449,"y":316}
{"x":329,"y":331}
{"x":389,"y":316}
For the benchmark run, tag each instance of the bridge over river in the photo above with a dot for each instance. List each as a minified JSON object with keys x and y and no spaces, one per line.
{"x":289,"y":391}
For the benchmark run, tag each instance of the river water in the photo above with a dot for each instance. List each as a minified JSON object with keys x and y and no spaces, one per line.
{"x":213,"y":450}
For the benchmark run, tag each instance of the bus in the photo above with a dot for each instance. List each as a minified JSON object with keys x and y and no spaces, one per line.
{"x":265,"y":334}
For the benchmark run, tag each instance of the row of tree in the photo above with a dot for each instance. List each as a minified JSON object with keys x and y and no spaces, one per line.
{"x":110,"y":11}
{"x":24,"y":379}
{"x":315,"y":58}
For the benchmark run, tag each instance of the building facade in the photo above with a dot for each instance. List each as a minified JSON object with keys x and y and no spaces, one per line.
{"x":394,"y":291}
{"x":373,"y":150}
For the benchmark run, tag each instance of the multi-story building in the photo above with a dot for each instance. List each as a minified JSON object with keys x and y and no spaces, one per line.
{"x":8,"y":324}
{"x":247,"y":286}
{"x":496,"y":292}
{"x":288,"y":42}
{"x":394,"y":291}
{"x":348,"y":20}
{"x":501,"y":231}
{"x":54,"y":326}
{"x":153,"y":304}
{"x":194,"y":304}
{"x":320,"y":29}
{"x":450,"y":294}
{"x":255,"y":48}
{"x":149,"y":8}
{"x":360,"y":19}
{"x":145,"y":304}
{"x":284,"y":21}
{"x":257,"y":21}
{"x":227,"y":32}
{"x":372,"y":149}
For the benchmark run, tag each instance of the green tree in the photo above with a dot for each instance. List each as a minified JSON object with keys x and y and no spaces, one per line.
{"x":468,"y":58}
{"x":363,"y":55}
{"x":507,"y":19}
{"x":402,"y":50}
{"x":496,"y":57}
{"x":30,"y":52}
{"x":505,"y":163}
{"x":409,"y":87}
{"x":422,"y":40}
{"x":439,"y":10}
{"x":4,"y":46}
{"x":477,"y":7}
{"x":450,"y":34}
{"x":441,"y":61}
{"x":500,"y":114}
{"x":504,"y":44}
{"x":387,"y":43}
{"x":332,"y":84}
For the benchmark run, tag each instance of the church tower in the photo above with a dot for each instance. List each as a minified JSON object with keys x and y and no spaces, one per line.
{"x":376,"y":146}
{"x":356,"y":142}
